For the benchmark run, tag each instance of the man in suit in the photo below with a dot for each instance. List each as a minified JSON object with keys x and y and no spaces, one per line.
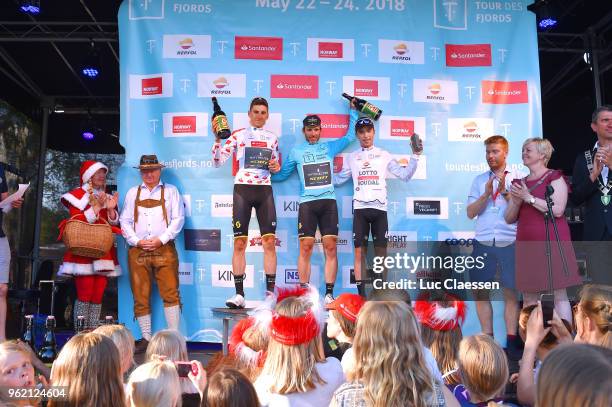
{"x":592,"y":185}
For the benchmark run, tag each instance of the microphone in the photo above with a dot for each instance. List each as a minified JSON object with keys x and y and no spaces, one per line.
{"x":549,"y":190}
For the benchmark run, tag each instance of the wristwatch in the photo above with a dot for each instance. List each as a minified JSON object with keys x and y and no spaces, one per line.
{"x":532,"y":200}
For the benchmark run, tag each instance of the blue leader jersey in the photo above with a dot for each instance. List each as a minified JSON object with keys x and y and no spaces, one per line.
{"x":314,"y":163}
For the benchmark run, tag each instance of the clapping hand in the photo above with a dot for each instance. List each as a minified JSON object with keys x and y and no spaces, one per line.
{"x":112,"y":201}
{"x":520,"y":192}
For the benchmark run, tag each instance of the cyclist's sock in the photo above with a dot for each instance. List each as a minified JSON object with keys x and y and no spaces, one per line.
{"x":238,"y":283}
{"x":270,"y":282}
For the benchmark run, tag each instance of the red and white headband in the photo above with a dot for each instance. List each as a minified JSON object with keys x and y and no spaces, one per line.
{"x":440,"y":318}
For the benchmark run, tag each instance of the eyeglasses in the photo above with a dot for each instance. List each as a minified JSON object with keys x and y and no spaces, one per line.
{"x":364,"y":121}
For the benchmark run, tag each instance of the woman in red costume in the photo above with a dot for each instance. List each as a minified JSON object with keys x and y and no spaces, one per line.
{"x":90,"y":203}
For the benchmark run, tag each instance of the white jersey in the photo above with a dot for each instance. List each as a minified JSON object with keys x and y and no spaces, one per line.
{"x":254,"y":148}
{"x":369,"y":168}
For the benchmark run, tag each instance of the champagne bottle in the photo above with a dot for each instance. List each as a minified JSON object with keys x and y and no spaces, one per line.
{"x":80,"y":326}
{"x":48,"y":352}
{"x":364,"y":106}
{"x":220,"y":124}
{"x":28,"y":335}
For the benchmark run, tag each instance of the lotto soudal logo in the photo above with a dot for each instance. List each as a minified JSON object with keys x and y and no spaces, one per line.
{"x":330,"y":50}
{"x":186,"y":46}
{"x":498,"y":92}
{"x":152,"y":86}
{"x":435,"y":91}
{"x":184,"y":124}
{"x":458,"y":55}
{"x":402,"y":128}
{"x":366,"y":88}
{"x":333,"y":125}
{"x":294,"y":86}
{"x":258,"y":48}
{"x":470,"y":129}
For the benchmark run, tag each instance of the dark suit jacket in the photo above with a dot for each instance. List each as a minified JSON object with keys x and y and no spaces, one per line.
{"x":597,"y":217}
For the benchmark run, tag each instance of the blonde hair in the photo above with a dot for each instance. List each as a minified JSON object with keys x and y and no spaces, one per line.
{"x":575,"y":375}
{"x":596,"y":303}
{"x":154,"y":384}
{"x":542,"y":146}
{"x":86,"y":361}
{"x":171,"y":344}
{"x":389,"y":358}
{"x":444,"y":346}
{"x":6,"y":348}
{"x":483,"y":367}
{"x":346,"y":325}
{"x":293,"y":367}
{"x":230,"y":388}
{"x":123,"y":340}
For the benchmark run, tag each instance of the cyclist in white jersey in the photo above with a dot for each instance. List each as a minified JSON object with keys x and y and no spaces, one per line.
{"x":256,"y":151}
{"x":368,"y":166}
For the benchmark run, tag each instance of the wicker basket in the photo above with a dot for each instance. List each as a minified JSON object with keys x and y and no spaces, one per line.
{"x":88,"y":239}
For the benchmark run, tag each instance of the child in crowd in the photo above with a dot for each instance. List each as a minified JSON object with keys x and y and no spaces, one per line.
{"x":153,"y":384}
{"x":124,"y":341}
{"x":248,"y":344}
{"x":390,"y":368}
{"x":341,"y":324}
{"x":441,"y":332}
{"x":171,"y":344}
{"x":296,"y":372}
{"x":483,"y":369}
{"x":538,"y":343}
{"x":88,"y":367}
{"x":576,"y":375}
{"x":17,"y":370}
{"x":230,"y":388}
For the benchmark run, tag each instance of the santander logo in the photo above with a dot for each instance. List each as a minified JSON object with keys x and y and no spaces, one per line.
{"x":468,"y":55}
{"x":498,"y":92}
{"x":258,"y":48}
{"x":152,"y":86}
{"x":333,"y":125}
{"x":365,"y":88}
{"x":184,"y":124}
{"x":294,"y":86}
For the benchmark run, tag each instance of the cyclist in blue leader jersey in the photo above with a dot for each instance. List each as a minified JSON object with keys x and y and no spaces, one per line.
{"x":314,"y":162}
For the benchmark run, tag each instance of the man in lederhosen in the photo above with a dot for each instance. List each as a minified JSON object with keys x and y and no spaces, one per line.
{"x":153,"y":215}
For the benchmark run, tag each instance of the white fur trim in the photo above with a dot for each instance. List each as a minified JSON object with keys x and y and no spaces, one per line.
{"x":99,"y":265}
{"x":77,"y":203}
{"x":90,"y":215}
{"x":92,"y":170}
{"x":247,"y":355}
{"x":78,"y":269}
{"x":444,"y":314}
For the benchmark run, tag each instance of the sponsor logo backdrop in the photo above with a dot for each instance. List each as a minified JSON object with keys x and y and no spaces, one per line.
{"x":454,"y":73}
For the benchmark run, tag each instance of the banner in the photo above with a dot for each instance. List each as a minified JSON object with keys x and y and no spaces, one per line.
{"x":453,"y":71}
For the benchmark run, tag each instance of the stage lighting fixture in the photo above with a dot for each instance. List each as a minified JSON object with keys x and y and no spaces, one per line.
{"x":544,"y":14}
{"x":30,"y":6}
{"x":88,"y":135}
{"x":89,"y":128}
{"x":90,"y":68}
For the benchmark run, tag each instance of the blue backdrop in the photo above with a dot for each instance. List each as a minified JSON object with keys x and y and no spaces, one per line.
{"x":453,"y":71}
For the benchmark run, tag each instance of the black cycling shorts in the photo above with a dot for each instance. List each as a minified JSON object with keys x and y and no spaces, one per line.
{"x":247,"y":197}
{"x":322,"y":213}
{"x":366,"y":220}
